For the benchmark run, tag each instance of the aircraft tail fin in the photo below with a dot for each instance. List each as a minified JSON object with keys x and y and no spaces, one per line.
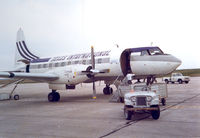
{"x":22,"y":53}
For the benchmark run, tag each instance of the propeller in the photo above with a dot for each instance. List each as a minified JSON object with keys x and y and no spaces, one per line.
{"x":93,"y":68}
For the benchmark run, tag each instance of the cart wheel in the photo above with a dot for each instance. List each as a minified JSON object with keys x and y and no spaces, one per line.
{"x":156,"y":113}
{"x":163,"y":101}
{"x":121,"y":99}
{"x":16,"y":97}
{"x":128,"y":114}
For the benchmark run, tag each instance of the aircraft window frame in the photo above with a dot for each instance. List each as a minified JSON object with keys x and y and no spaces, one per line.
{"x":145,"y":53}
{"x":76,"y":62}
{"x":33,"y":66}
{"x":99,"y":60}
{"x":63,"y":64}
{"x":136,"y":53}
{"x":44,"y":66}
{"x":69,"y":63}
{"x":39,"y":66}
{"x":89,"y":62}
{"x":84,"y":62}
{"x":105,"y":60}
{"x":56,"y":64}
{"x":155,"y":51}
{"x":50,"y":65}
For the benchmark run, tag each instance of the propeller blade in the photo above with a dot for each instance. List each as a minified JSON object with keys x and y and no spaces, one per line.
{"x":93,"y":68}
{"x":94,"y":91}
{"x":92,"y":57}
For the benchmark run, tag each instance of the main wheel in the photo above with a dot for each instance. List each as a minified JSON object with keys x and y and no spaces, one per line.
{"x":180,"y":81}
{"x":163,"y":101}
{"x":121,"y":99}
{"x":105,"y":90}
{"x":54,"y":97}
{"x":16,"y":97}
{"x":186,"y":82}
{"x":57,"y":96}
{"x":166,"y":81}
{"x":128,"y":114}
{"x":156,"y":113}
{"x":51,"y":97}
{"x":110,"y":90}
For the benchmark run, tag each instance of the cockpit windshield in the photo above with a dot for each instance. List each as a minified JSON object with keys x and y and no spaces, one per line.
{"x":155,"y":51}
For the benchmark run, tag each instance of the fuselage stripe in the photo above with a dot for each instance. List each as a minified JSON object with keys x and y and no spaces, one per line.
{"x":25,"y":51}
{"x":21,"y":52}
{"x":28,"y":50}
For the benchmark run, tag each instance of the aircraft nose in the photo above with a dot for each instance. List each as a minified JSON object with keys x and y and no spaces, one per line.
{"x":177,"y":62}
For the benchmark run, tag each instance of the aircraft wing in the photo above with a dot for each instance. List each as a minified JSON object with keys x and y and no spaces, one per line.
{"x":30,"y":76}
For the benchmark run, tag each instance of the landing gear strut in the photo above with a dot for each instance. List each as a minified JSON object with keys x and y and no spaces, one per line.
{"x":54,"y":96}
{"x":107,"y":90}
{"x":150,"y":80}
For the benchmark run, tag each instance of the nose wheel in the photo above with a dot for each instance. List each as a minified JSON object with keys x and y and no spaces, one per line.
{"x":54,"y":96}
{"x":107,"y":90}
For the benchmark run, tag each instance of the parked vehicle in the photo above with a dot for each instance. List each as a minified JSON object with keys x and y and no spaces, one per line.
{"x":159,"y":88}
{"x":176,"y":77}
{"x":143,"y":100}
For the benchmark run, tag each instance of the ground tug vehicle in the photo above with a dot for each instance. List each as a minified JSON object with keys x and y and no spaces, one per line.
{"x":141,"y":97}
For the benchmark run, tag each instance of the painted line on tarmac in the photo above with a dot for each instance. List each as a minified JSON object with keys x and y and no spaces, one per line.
{"x":129,"y":123}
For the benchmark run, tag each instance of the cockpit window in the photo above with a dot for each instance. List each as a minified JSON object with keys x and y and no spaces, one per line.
{"x":144,"y":53}
{"x":155,"y":51}
{"x":135,"y":53}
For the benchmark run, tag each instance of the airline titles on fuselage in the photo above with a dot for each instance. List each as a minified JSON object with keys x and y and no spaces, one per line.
{"x":80,"y":56}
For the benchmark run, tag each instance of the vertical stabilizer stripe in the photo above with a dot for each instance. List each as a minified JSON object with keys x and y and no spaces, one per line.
{"x":24,"y":52}
{"x":28,"y":50}
{"x":21,"y":52}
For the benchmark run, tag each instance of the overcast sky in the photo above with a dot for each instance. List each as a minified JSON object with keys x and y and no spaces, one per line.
{"x":63,"y":27}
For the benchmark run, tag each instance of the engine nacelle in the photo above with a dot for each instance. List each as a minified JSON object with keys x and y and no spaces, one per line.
{"x":71,"y":75}
{"x":61,"y":86}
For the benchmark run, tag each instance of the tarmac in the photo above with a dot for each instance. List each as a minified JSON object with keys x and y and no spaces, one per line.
{"x":77,"y":115}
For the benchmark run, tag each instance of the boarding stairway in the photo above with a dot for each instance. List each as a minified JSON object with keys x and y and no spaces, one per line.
{"x":125,"y":82}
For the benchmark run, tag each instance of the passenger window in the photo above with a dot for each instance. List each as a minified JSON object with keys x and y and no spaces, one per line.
{"x":76,"y":62}
{"x":69,"y":63}
{"x":89,"y":62}
{"x":56,"y":64}
{"x":50,"y":65}
{"x":62,"y":64}
{"x":99,"y":60}
{"x":44,"y":65}
{"x":84,"y":62}
{"x":39,"y":66}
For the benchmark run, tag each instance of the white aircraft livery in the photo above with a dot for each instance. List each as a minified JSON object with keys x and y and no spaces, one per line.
{"x":65,"y":72}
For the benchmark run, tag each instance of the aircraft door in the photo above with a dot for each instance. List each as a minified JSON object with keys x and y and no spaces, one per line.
{"x":125,"y":62}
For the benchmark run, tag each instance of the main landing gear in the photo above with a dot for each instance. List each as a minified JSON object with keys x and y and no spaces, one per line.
{"x":54,"y":96}
{"x":107,"y":90}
